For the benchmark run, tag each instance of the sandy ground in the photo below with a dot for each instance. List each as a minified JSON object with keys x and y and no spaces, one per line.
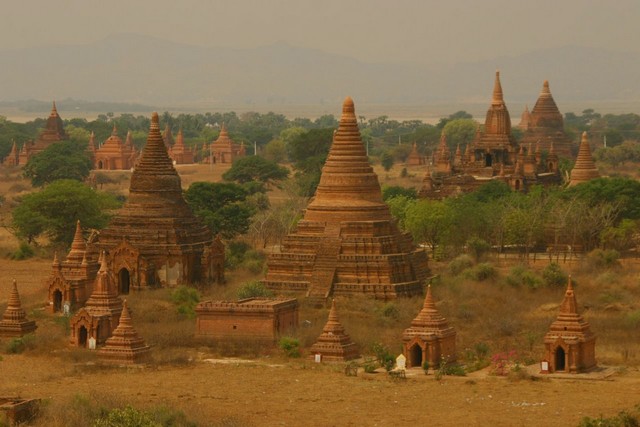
{"x":302,"y":393}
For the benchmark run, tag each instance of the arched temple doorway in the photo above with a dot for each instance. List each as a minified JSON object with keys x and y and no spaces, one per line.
{"x":415,"y":356}
{"x":57,"y":301}
{"x":560,"y":356}
{"x":82,"y":336}
{"x":124,"y":281}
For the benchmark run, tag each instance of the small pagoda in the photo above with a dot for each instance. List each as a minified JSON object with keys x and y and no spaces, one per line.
{"x":179,"y":152}
{"x":546,"y":125}
{"x":99,"y":317}
{"x":414,"y":158}
{"x":155,"y":239}
{"x":12,"y":158}
{"x":14,"y":323}
{"x":348,"y":243}
{"x":584,"y":168}
{"x":125,"y":346}
{"x":52,"y":132}
{"x":429,"y":338}
{"x":224,"y":150}
{"x":334,"y":345}
{"x":570,"y":346}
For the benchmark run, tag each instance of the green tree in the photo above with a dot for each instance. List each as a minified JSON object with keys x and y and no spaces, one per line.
{"x":255,"y":168}
{"x":275,"y":151}
{"x":386,"y":160}
{"x":222,"y":206}
{"x":55,"y":209}
{"x":395,"y":190}
{"x":460,"y":132}
{"x":61,"y":160}
{"x":428,"y":222}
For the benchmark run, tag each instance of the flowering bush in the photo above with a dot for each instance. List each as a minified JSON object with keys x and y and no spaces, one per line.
{"x":503,"y":362}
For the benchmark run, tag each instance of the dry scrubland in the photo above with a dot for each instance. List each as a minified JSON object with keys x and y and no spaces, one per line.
{"x":264,"y":387}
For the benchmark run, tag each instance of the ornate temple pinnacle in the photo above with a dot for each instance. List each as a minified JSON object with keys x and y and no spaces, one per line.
{"x":155,"y":122}
{"x":497,"y":90}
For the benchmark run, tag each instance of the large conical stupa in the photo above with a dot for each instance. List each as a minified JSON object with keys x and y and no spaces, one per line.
{"x":585,"y":168}
{"x":347,"y":242}
{"x":155,"y":238}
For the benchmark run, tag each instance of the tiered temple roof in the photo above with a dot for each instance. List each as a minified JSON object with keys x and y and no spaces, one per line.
{"x":429,"y":338}
{"x":546,"y":125}
{"x":125,"y":346}
{"x":155,"y":236}
{"x":497,"y":125}
{"x":52,"y":132}
{"x":223,"y":149}
{"x":114,"y":154}
{"x":14,"y":321}
{"x":347,"y":241}
{"x":334,"y":344}
{"x":584,"y":168}
{"x":179,"y":152}
{"x":570,"y":344}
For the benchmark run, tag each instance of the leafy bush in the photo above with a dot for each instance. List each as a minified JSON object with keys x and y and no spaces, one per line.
{"x":186,"y":299}
{"x":18,"y":345}
{"x":554,"y":276}
{"x":254,"y":289}
{"x":127,"y":417}
{"x":383,"y":356}
{"x":25,"y":251}
{"x":623,"y":419}
{"x":480,"y":272}
{"x":425,"y":367}
{"x":290,"y":346}
{"x":390,"y":310}
{"x":477,"y":247}
{"x":459,"y":264}
{"x":520,"y":275}
{"x":599,"y":258}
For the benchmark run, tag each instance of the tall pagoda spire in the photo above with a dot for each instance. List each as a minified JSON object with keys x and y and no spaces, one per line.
{"x":348,"y":189}
{"x":584,"y":168}
{"x":498,"y":98}
{"x":545,"y":113}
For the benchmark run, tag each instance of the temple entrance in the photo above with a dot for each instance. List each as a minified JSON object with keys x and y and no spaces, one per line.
{"x":82,"y":336}
{"x":57,"y":301}
{"x":517,"y":185}
{"x":415,"y":356}
{"x":488,"y":160}
{"x":560,"y":359}
{"x":123,"y":281}
{"x":100,"y":165}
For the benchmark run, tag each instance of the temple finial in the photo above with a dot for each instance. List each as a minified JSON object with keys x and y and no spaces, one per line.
{"x":497,"y":90}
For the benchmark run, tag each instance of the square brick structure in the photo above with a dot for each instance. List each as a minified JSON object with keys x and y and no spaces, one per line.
{"x":261,"y":319}
{"x":570,"y":346}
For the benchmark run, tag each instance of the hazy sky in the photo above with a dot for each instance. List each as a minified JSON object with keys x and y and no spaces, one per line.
{"x":373,"y":30}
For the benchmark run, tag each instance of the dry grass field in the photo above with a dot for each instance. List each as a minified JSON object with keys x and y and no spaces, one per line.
{"x":242,"y":384}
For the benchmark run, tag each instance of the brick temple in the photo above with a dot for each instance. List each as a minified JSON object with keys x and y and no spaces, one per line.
{"x":261,"y":319}
{"x":545,"y":126}
{"x":179,"y":152}
{"x":570,"y":346}
{"x":493,"y":154}
{"x":334,"y":345}
{"x":584,"y":168}
{"x":429,"y":338}
{"x":224,"y":149}
{"x":71,"y":282}
{"x":114,"y":154}
{"x":155,"y":239}
{"x":347,"y":242}
{"x":101,"y":313}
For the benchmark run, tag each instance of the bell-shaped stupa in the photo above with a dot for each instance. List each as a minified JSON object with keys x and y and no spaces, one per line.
{"x":14,"y":321}
{"x":334,"y":345}
{"x":347,"y":242}
{"x":585,"y":168}
{"x":125,"y":346}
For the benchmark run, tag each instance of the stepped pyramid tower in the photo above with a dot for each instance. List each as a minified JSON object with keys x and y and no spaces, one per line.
{"x":334,"y":344}
{"x":155,"y":239}
{"x":546,"y":125}
{"x":71,"y":282}
{"x":179,"y":152}
{"x":570,"y":345}
{"x":414,"y":158}
{"x":429,"y":338}
{"x":125,"y":346}
{"x":347,"y":242}
{"x":495,"y":144}
{"x":14,"y":321}
{"x":99,"y":317}
{"x":585,"y":168}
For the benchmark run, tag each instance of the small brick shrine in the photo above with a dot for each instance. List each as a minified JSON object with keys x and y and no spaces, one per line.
{"x":14,"y":321}
{"x":334,"y":345}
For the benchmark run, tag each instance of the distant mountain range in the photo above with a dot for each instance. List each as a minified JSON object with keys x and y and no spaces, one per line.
{"x":129,"y":68}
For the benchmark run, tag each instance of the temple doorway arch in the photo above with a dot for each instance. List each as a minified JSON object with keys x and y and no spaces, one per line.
{"x":100,"y":165}
{"x":415,"y":355}
{"x":488,"y":160}
{"x":57,"y":300}
{"x":124,"y":281}
{"x":560,"y":356}
{"x":82,"y":336}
